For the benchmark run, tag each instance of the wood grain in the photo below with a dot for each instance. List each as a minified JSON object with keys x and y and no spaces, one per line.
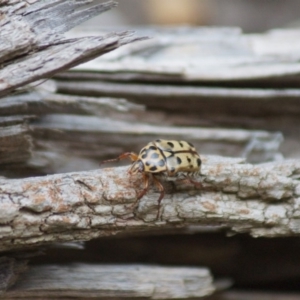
{"x":109,"y":281}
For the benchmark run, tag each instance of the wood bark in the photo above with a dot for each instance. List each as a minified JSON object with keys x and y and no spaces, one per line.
{"x":261,"y":200}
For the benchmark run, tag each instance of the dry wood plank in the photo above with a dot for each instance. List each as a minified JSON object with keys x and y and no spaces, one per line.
{"x":15,"y":140}
{"x":111,"y":281}
{"x":111,"y":137}
{"x":19,"y":150}
{"x":66,"y":143}
{"x":95,"y":128}
{"x":222,"y":55}
{"x":33,"y":46}
{"x":261,"y":200}
{"x":190,"y":99}
{"x":42,"y":103}
{"x":257,"y":263}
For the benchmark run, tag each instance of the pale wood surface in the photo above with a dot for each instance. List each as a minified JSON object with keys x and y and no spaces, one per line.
{"x":189,"y":54}
{"x":108,"y":281}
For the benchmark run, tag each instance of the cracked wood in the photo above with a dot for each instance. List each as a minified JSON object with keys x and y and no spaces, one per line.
{"x":33,"y":47}
{"x":262,"y":200}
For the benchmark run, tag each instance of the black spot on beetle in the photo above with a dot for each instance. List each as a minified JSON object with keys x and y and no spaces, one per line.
{"x":153,"y":168}
{"x":147,"y":163}
{"x":172,"y":169}
{"x":144,"y":155}
{"x":170,"y":144}
{"x":188,"y":159}
{"x":161,"y":163}
{"x":158,"y":141}
{"x":152,"y":148}
{"x":181,"y":145}
{"x":190,"y":166}
{"x":179,"y":161}
{"x":198,"y":162}
{"x":154,"y":155}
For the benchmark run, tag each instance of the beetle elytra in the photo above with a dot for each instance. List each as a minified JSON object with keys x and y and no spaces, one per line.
{"x":168,"y":159}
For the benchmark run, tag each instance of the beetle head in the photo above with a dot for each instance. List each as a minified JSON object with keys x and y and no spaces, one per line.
{"x":136,"y":167}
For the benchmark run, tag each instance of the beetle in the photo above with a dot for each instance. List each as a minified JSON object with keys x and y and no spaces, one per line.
{"x":164,"y":159}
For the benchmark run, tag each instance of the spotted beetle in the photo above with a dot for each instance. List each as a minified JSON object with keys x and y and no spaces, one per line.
{"x":168,"y":159}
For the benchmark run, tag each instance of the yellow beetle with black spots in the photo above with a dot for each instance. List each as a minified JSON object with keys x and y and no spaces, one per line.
{"x":168,"y":159}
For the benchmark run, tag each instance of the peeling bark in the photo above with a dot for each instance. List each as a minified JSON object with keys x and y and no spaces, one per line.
{"x":261,"y":199}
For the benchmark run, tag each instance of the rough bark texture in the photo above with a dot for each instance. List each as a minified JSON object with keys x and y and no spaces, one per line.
{"x":262,"y":200}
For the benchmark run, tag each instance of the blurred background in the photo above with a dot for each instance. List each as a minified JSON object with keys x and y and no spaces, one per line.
{"x":250,"y":15}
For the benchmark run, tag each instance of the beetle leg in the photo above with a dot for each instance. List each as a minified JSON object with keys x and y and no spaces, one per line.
{"x":162,"y":193}
{"x":146,"y":186}
{"x":133,"y":156}
{"x":144,"y":191}
{"x":197,"y":184}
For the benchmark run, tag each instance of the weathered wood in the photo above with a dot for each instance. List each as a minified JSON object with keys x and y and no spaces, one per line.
{"x":108,"y":281}
{"x":215,"y":55}
{"x":15,"y":140}
{"x":247,"y":262}
{"x":64,"y":143}
{"x":227,"y":79}
{"x":258,"y":199}
{"x":22,"y":149}
{"x":33,"y":46}
{"x":43,"y":133}
{"x":186,"y":98}
{"x":120,"y":136}
{"x":95,"y":128}
{"x":43,"y":103}
{"x":10,"y":269}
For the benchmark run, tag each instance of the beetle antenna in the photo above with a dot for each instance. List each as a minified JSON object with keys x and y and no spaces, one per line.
{"x":131,"y":155}
{"x":109,"y":160}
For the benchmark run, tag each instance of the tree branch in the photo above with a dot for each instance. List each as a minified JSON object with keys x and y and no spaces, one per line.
{"x":261,"y":199}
